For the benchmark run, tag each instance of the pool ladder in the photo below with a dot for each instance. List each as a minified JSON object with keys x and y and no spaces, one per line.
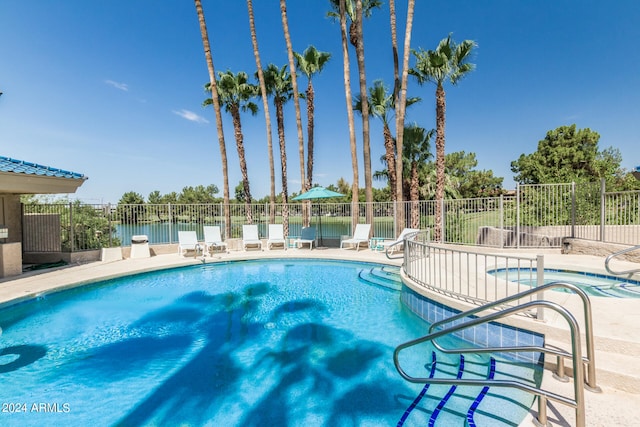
{"x":622,"y":252}
{"x":584,"y":370}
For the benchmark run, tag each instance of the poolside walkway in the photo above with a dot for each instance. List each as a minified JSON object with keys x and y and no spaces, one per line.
{"x":616,"y":320}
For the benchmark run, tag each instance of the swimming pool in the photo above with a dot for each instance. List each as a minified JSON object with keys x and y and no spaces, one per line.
{"x":593,"y":284}
{"x":246,"y":343}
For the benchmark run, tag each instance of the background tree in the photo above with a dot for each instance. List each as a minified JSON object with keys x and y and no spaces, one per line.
{"x":350,"y":120}
{"x":296,"y":104}
{"x":400,"y":102}
{"x":235,"y":94}
{"x":311,"y":62}
{"x":416,"y":149}
{"x":218,"y":114}
{"x":449,"y":61}
{"x":278,"y":84}
{"x":567,"y":154}
{"x":382,"y":105}
{"x":471,"y":183}
{"x":267,"y":115}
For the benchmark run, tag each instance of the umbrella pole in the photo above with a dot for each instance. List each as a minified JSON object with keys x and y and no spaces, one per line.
{"x":320,"y":226}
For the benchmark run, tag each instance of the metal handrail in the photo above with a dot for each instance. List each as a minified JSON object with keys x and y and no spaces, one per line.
{"x":577,"y":402}
{"x":589,"y":359}
{"x":613,"y":255}
{"x":403,"y":242}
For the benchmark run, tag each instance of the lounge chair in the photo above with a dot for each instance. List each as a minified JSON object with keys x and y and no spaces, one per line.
{"x":276,"y":236}
{"x":396,"y":245}
{"x":308,"y":237}
{"x":360,"y":235}
{"x":188,"y":241}
{"x":250,"y":236}
{"x":213,"y":239}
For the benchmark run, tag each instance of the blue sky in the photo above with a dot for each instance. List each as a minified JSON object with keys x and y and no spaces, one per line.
{"x":114,"y":89}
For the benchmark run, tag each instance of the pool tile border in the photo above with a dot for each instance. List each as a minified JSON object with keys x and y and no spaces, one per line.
{"x":490,"y":334}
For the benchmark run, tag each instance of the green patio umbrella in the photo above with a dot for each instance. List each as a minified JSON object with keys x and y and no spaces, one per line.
{"x":314,"y":194}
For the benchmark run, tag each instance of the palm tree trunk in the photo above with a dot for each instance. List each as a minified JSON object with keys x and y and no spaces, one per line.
{"x":366,"y":146}
{"x":237,"y":131}
{"x":296,"y":103}
{"x":283,"y":164}
{"x":218,"y":114}
{"x":414,"y":196}
{"x":355,"y":215}
{"x":310,"y":127}
{"x":267,"y":117}
{"x":394,"y":49}
{"x":440,"y":178}
{"x":400,"y":110}
{"x":390,"y":149}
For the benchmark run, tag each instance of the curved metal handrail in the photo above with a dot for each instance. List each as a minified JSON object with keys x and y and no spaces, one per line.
{"x":613,"y":255}
{"x":589,"y":359}
{"x":408,"y":236}
{"x":577,"y":402}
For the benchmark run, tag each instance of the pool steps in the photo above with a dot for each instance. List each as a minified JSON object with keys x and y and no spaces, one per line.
{"x":583,"y":368}
{"x":386,"y":277}
{"x":439,"y":413}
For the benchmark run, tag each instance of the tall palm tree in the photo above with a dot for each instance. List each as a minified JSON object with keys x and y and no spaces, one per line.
{"x":235,"y":93}
{"x":357,"y":10}
{"x":296,"y":104}
{"x":449,"y":61}
{"x":417,"y":152}
{"x":216,"y":107}
{"x":278,"y":84}
{"x":383,"y":106}
{"x":355,"y":216}
{"x":267,"y":116}
{"x":401,"y":98}
{"x":311,"y":62}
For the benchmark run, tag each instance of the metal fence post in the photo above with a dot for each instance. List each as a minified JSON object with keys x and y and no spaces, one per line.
{"x":71,"y":234}
{"x":170,"y":223}
{"x":602,"y":211}
{"x":502,"y":221}
{"x":540,"y":282}
{"x":517,"y":216}
{"x":109,"y":221}
{"x":573,"y":210}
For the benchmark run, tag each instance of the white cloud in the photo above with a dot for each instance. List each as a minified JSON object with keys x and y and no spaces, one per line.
{"x":191,"y":116}
{"x":121,"y":86}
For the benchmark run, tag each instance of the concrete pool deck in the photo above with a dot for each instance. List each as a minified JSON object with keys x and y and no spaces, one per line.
{"x":616,"y":320}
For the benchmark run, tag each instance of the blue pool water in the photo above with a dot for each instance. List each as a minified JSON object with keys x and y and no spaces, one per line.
{"x":593,"y":284}
{"x":284,"y":343}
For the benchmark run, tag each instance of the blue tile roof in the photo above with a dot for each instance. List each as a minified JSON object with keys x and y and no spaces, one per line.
{"x":8,"y":164}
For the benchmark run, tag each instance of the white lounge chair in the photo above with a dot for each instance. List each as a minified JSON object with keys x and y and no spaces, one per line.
{"x":360,"y":235}
{"x":396,"y":245}
{"x":276,"y":236}
{"x":213,"y":239}
{"x":250,"y":236}
{"x":188,"y":241}
{"x":308,"y":237}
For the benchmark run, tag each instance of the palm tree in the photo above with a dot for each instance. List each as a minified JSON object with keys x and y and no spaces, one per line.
{"x":417,"y":152}
{"x":401,"y":98}
{"x":357,"y":12}
{"x":235,"y":93}
{"x":216,"y":107}
{"x":383,"y":106}
{"x":309,"y":63}
{"x":296,"y":103}
{"x":450,"y":61}
{"x":278,"y":84}
{"x":267,"y":116}
{"x":352,"y":132}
